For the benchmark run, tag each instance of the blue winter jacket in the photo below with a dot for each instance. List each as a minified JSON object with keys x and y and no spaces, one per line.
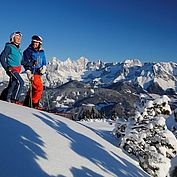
{"x":11,"y":56}
{"x":33,"y":59}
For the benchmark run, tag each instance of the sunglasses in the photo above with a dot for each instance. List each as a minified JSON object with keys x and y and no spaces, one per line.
{"x":18,"y":33}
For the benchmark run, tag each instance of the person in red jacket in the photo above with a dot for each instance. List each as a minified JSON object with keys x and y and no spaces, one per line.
{"x":34,"y":62}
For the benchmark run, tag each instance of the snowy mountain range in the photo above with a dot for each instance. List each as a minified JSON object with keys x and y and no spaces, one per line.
{"x":147,"y":75}
{"x":111,"y":88}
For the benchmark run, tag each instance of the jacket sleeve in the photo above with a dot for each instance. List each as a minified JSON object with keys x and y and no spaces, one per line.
{"x":27,"y":61}
{"x":44,"y":59}
{"x":4,"y":57}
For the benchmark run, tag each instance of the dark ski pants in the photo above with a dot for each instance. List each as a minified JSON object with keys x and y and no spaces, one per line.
{"x":13,"y":91}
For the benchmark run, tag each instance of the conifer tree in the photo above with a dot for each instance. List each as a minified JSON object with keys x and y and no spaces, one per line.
{"x":146,"y":136}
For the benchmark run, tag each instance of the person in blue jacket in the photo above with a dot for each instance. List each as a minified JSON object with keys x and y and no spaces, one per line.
{"x":10,"y":59}
{"x":34,"y":62}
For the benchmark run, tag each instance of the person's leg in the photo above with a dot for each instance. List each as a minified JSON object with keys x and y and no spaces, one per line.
{"x":17,"y":85}
{"x":37,"y":89}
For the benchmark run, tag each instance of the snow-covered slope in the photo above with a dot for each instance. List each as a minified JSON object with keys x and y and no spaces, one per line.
{"x":35,"y":143}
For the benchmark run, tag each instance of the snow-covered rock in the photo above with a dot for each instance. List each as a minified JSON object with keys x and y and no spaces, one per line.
{"x":3,"y":75}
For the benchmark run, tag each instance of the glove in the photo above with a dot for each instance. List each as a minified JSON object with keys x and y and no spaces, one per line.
{"x":43,"y":70}
{"x":29,"y":75}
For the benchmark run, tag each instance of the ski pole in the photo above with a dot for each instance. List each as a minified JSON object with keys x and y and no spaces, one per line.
{"x":31,"y":88}
{"x":30,"y":94}
{"x":47,"y":97}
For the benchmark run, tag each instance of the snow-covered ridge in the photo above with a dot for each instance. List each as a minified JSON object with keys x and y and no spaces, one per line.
{"x":35,"y":143}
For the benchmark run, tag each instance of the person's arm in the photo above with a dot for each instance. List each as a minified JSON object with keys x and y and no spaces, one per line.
{"x":27,"y":61}
{"x":4,"y":56}
{"x":44,"y":59}
{"x":43,"y":68}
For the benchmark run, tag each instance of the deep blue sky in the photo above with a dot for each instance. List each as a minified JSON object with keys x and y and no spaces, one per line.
{"x":111,"y":30}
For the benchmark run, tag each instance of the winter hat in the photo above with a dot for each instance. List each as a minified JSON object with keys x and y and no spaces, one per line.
{"x":15,"y":34}
{"x":36,"y":38}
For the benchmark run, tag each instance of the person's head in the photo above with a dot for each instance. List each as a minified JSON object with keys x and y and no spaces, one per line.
{"x":36,"y":41}
{"x":16,"y":37}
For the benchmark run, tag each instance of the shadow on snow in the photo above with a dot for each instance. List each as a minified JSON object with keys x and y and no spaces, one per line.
{"x":93,"y":151}
{"x":19,"y":148}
